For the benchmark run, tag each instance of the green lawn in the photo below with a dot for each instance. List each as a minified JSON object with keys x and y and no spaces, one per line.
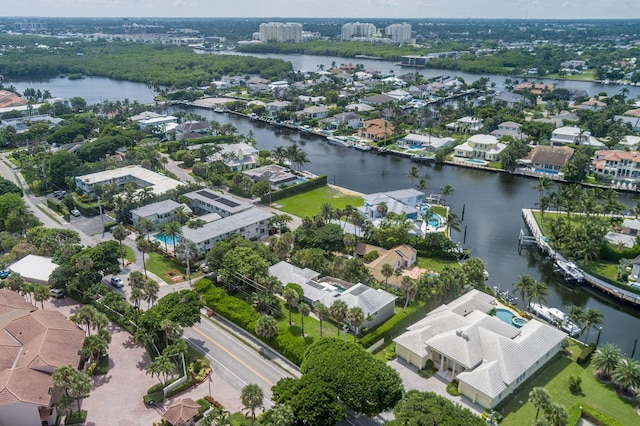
{"x":440,"y":210}
{"x":433,"y":264}
{"x":554,"y":378}
{"x":308,"y":203}
{"x":160,"y":265}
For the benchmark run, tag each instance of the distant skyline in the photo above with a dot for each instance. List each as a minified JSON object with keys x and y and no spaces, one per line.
{"x":352,"y":9}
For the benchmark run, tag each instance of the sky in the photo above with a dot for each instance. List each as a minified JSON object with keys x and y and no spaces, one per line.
{"x":518,"y":9}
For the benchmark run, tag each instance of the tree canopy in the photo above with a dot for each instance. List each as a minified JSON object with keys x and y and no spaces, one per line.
{"x":428,"y":408}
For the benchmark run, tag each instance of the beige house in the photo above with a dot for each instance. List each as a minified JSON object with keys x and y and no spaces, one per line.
{"x":403,"y":256}
{"x":488,"y":357}
{"x":33,"y":343}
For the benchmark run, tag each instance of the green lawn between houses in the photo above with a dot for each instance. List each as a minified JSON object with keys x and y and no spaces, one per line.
{"x":554,"y":378}
{"x":308,"y":203}
{"x":159,"y":265}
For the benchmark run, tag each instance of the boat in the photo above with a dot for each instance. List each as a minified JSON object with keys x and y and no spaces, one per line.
{"x":504,"y":294}
{"x":362,"y":147}
{"x":423,"y":158}
{"x":569,"y":271}
{"x":339,"y":140}
{"x":556,"y":317}
{"x":218,"y":110}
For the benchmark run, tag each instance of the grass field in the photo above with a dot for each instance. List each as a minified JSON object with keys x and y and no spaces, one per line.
{"x":434,"y":264}
{"x":308,"y":203}
{"x":160,"y":265}
{"x":554,"y":378}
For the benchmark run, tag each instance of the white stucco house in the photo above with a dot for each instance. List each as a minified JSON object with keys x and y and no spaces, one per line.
{"x":488,"y":357}
{"x":140,"y":176}
{"x":160,"y":212}
{"x":484,"y":147}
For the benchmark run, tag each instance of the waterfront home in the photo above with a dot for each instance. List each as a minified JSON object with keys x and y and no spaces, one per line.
{"x":509,"y":128}
{"x":277,"y":176}
{"x":618,"y":164}
{"x":378,"y":305}
{"x":427,"y":142}
{"x":164,"y":123}
{"x":399,"y":257}
{"x":275,"y":106}
{"x":210,"y":201}
{"x":631,"y":227}
{"x":549,"y":159}
{"x":489,"y":358}
{"x":592,"y":105}
{"x":465,"y":124}
{"x":378,"y":100}
{"x":160,"y":212}
{"x":635,"y":269}
{"x":258,"y":88}
{"x":484,"y":147}
{"x":399,"y":95}
{"x":535,"y":88}
{"x":400,"y":201}
{"x":376,"y":129}
{"x":316,"y":100}
{"x":237,"y":156}
{"x":632,"y":113}
{"x":22,"y":124}
{"x":511,"y":98}
{"x":35,"y":342}
{"x":192,"y":129}
{"x":630,"y":141}
{"x":314,"y":112}
{"x":359,"y":107}
{"x":348,"y":120}
{"x":251,"y":224}
{"x":569,"y":134}
{"x":140,"y":176}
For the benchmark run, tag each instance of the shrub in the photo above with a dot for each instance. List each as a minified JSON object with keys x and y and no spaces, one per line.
{"x":295,"y":190}
{"x":204,"y":405}
{"x":575,"y":384}
{"x":213,"y":402}
{"x":452,"y":388}
{"x":156,"y":397}
{"x":76,"y":417}
{"x":390,"y":353}
{"x":180,"y":388}
{"x":598,"y":418}
{"x":102,"y":366}
{"x":585,"y":354}
{"x":156,"y":388}
{"x":371,"y":256}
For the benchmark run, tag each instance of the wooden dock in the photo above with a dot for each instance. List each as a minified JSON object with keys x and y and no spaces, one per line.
{"x":534,"y":238}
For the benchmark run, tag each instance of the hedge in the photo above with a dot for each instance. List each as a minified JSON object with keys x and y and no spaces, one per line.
{"x":156,"y":397}
{"x":180,"y":388}
{"x":290,"y":191}
{"x":606,"y":279}
{"x":597,"y":417}
{"x":393,"y":327}
{"x":613,"y":253}
{"x":585,"y":354}
{"x":87,"y":209}
{"x":75,"y":418}
{"x":58,"y":207}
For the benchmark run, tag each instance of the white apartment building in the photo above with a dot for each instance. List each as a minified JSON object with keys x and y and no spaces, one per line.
{"x":357,"y":29}
{"x":399,"y":33}
{"x":140,"y":176}
{"x":288,"y":32}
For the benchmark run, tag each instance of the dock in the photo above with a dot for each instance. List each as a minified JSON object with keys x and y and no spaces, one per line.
{"x":534,"y":238}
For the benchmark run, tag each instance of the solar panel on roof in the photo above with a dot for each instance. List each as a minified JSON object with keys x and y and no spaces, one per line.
{"x":209,"y":195}
{"x":359,"y":290}
{"x":315,"y":285}
{"x":227,"y":202}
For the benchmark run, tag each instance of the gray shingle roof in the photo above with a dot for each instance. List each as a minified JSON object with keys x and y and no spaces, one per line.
{"x":165,"y":206}
{"x":226,"y":225}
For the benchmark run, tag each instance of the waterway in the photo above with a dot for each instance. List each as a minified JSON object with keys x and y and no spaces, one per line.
{"x":492,"y":202}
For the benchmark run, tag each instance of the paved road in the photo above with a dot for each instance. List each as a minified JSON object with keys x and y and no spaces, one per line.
{"x":173,"y":167}
{"x":238,"y":363}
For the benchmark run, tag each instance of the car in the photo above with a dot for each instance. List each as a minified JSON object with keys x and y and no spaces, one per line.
{"x":4,"y":274}
{"x":59,"y":194}
{"x":75,"y":213}
{"x":117,"y":282}
{"x":57,"y":293}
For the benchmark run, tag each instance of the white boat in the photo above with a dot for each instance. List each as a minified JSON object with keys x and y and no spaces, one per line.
{"x":556,"y":317}
{"x":340,"y":141}
{"x":569,"y":270}
{"x":362,"y":146}
{"x":218,"y":109}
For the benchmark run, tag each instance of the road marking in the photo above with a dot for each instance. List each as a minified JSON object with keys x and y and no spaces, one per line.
{"x":197,"y":330}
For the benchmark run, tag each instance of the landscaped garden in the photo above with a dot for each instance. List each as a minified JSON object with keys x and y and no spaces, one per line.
{"x":166,"y":268}
{"x":601,"y":397}
{"x":308,"y":203}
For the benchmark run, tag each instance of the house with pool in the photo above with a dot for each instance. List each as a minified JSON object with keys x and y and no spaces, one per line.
{"x":400,"y":201}
{"x":378,"y":305}
{"x":480,"y":148}
{"x":486,"y":347}
{"x":160,"y":212}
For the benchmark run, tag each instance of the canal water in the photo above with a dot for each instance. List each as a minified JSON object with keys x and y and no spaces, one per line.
{"x":492,"y":202}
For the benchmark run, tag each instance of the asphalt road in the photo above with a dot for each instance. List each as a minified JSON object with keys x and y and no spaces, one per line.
{"x":239,"y":363}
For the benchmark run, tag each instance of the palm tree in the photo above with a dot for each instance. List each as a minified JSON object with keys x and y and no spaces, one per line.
{"x":292,"y":298}
{"x":539,"y":292}
{"x":41,"y":293}
{"x":150,"y":291}
{"x":339,"y":311}
{"x":120,"y":233}
{"x":626,"y":375}
{"x":540,"y":398}
{"x":523,"y":286}
{"x":326,"y":212}
{"x":136,"y":280}
{"x":543,"y":185}
{"x":266,"y":327}
{"x":592,"y":317}
{"x":135,"y":296}
{"x":575,"y":315}
{"x":453,"y":221}
{"x":557,"y":414}
{"x":605,"y":360}
{"x":172,"y":229}
{"x":144,"y":246}
{"x":413,"y":174}
{"x":304,"y":311}
{"x":356,"y":317}
{"x":251,"y":397}
{"x":446,"y":191}
{"x":386,"y":271}
{"x":382,"y":209}
{"x":322,"y":312}
{"x":409,"y":288}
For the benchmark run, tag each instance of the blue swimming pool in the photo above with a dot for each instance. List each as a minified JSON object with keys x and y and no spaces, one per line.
{"x":550,"y":172}
{"x":509,"y":317}
{"x":434,"y":220}
{"x":301,"y":180}
{"x":415,"y":146}
{"x":167,"y":239}
{"x":474,"y":161}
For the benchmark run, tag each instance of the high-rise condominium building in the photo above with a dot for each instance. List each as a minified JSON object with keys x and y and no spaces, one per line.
{"x":288,"y":32}
{"x":358,"y":29}
{"x":399,"y":33}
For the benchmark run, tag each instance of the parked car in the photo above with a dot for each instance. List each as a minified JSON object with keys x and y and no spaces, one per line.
{"x":57,"y":293}
{"x":117,"y":282}
{"x":4,"y":274}
{"x":75,"y":213}
{"x":59,"y":194}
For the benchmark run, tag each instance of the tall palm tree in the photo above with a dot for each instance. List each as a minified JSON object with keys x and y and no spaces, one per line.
{"x":592,"y":317}
{"x":386,"y":271}
{"x":413,"y":174}
{"x":626,"y":376}
{"x":251,"y":397}
{"x":540,"y":398}
{"x":144,"y":246}
{"x":446,"y":191}
{"x":382,"y":209}
{"x":557,"y":414}
{"x":172,"y":229}
{"x":120,"y":233}
{"x":576,"y":315}
{"x":144,"y":225}
{"x":304,"y":309}
{"x":409,"y":288}
{"x":544,"y":184}
{"x":326,"y":212}
{"x":339,"y":311}
{"x":539,"y":292}
{"x":356,"y":318}
{"x":605,"y":360}
{"x":322,"y":312}
{"x":453,"y":221}
{"x":523,"y":286}
{"x":292,"y":298}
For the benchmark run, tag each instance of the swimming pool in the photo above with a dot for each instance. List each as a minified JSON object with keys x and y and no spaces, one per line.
{"x":509,"y":317}
{"x":301,"y":180}
{"x":434,"y":220}
{"x":415,"y":146}
{"x":550,"y":172}
{"x":167,"y":239}
{"x":474,"y":161}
